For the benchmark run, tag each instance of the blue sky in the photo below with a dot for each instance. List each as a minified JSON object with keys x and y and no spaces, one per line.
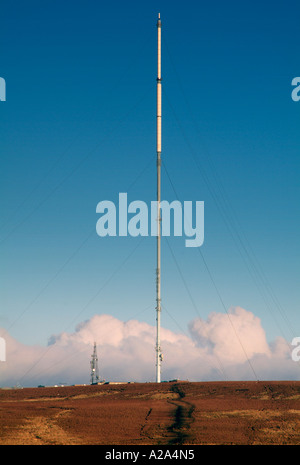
{"x":78,"y":127}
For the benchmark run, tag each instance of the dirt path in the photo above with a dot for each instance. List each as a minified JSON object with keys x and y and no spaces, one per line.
{"x":183,"y":418}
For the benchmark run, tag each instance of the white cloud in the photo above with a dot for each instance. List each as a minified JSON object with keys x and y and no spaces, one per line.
{"x":220,"y":347}
{"x":232,"y":337}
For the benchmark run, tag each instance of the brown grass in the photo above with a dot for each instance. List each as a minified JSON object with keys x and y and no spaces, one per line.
{"x":148,"y":413}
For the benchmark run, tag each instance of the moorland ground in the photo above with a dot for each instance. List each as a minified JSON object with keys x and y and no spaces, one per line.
{"x":171,"y":413}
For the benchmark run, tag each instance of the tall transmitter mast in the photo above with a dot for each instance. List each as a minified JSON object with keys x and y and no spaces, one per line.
{"x":158,"y":163}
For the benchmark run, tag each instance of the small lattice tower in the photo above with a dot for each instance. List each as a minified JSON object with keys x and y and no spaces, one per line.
{"x":94,"y":366}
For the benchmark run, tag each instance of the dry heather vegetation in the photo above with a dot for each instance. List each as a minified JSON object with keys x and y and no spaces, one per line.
{"x":173,"y":413}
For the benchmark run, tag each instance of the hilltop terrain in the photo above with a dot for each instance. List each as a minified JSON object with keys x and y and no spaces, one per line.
{"x":147,"y":413}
